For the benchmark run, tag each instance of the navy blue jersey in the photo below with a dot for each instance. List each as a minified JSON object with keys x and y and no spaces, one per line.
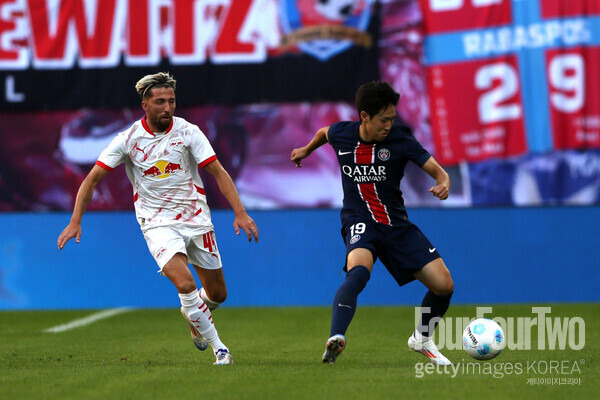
{"x":371,"y":172}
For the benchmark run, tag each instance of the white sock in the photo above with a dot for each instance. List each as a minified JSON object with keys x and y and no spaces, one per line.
{"x":210,"y":303}
{"x":197,"y":312}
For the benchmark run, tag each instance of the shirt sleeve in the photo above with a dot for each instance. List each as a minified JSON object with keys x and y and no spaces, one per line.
{"x":201,"y":149}
{"x":333,"y":133}
{"x":414,"y":151}
{"x":114,"y":154}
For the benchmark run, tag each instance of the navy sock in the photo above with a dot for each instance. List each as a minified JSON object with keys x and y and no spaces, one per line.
{"x":437,"y":305}
{"x":344,"y":302}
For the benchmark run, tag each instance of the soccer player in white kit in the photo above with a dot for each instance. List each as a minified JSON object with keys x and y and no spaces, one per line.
{"x":162,"y":154}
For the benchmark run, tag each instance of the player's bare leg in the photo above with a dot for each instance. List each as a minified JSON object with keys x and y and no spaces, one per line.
{"x":436,"y":277}
{"x":214,"y":290}
{"x":194,"y":310}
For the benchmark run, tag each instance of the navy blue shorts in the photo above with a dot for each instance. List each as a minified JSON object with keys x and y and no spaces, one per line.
{"x":403,"y":250}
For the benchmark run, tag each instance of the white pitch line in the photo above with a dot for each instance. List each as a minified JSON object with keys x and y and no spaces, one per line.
{"x":88,"y":320}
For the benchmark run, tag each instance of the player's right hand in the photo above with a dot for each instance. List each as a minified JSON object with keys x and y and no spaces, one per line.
{"x":298,"y":155}
{"x":70,"y":232}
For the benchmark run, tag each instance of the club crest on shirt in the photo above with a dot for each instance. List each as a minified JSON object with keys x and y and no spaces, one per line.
{"x":176,"y":144}
{"x":383,"y":154}
{"x":354,"y":239}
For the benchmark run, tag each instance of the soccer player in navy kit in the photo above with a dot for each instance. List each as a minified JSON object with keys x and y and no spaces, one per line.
{"x":372,"y":154}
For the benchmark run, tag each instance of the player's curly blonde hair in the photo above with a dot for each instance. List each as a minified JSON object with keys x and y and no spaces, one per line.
{"x":160,"y":79}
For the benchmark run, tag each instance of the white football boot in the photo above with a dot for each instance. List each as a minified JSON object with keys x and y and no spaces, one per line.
{"x":334,"y":347}
{"x":428,"y":349}
{"x":223,"y":357}
{"x":199,"y":341}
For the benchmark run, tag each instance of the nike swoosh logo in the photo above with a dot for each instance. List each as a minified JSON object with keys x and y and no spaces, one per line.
{"x":432,"y":250}
{"x":344,"y":305}
{"x":343,"y":153}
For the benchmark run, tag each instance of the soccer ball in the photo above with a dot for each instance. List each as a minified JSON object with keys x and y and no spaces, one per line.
{"x":336,"y":9}
{"x":483,"y":339}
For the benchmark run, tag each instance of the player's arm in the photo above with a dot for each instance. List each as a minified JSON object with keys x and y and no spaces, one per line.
{"x":442,"y":179}
{"x":84,"y":196}
{"x":227,"y":187}
{"x":317,"y":141}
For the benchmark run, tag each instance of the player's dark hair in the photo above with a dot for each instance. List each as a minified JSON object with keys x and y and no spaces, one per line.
{"x":373,"y":97}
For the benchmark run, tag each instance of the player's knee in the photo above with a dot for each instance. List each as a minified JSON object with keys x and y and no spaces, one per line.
{"x":219,"y":297}
{"x":449,"y":288}
{"x":445,"y":288}
{"x":442,"y":285}
{"x":214,"y":297}
{"x":186,"y":286}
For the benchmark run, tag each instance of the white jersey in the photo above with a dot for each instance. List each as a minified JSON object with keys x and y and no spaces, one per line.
{"x":163,"y":169}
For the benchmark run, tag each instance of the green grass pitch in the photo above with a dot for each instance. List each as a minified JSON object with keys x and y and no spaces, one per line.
{"x":147,"y":354}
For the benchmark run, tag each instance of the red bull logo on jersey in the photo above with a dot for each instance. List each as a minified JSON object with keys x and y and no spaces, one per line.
{"x":162,"y":169}
{"x":365,"y":173}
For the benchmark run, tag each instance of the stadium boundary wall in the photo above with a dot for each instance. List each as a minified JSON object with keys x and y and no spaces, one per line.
{"x":500,"y":255}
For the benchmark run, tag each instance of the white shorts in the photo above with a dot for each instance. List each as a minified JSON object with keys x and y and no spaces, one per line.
{"x":200,"y":248}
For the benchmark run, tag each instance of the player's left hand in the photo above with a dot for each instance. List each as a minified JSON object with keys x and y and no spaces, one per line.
{"x":440,"y":191}
{"x":72,"y":230}
{"x":243,"y":220}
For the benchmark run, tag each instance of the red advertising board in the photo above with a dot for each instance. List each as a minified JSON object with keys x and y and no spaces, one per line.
{"x":574,"y":98}
{"x":512,"y":77}
{"x":477,"y":110}
{"x":453,"y":15}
